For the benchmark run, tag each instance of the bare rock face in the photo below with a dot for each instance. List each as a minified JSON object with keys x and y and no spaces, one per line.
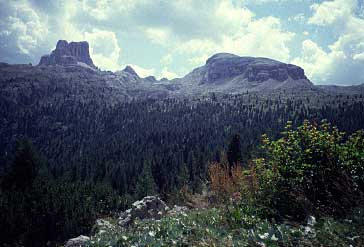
{"x":128,"y":69}
{"x":68,"y":54}
{"x":224,"y":66}
{"x":150,"y":78}
{"x":150,"y":207}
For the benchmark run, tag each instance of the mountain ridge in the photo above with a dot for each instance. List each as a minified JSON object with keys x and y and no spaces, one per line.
{"x":222,"y":73}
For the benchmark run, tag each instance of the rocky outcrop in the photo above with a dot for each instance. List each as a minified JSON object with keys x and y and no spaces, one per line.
{"x":80,"y":241}
{"x":150,"y":79}
{"x":150,"y":207}
{"x":69,"y":54}
{"x":225,"y":66}
{"x":128,"y":69}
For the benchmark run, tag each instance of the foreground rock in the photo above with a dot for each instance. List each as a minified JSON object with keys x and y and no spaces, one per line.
{"x":80,"y":241}
{"x":150,"y":207}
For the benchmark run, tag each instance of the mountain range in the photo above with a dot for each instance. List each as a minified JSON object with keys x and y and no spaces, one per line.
{"x":69,"y":69}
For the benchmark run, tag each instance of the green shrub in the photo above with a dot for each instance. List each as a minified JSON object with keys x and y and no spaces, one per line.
{"x":310,"y":170}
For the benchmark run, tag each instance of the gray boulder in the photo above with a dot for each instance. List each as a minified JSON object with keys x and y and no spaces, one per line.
{"x":150,"y":207}
{"x":80,"y":241}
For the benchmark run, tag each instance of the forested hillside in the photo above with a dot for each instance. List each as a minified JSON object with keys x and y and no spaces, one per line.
{"x":98,"y":143}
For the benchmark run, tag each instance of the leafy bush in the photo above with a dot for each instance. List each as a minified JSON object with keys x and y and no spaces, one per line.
{"x":310,"y":170}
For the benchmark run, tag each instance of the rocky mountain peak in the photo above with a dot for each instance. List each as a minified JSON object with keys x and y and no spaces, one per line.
{"x":61,"y":44}
{"x":69,"y":54}
{"x":128,"y":69}
{"x":150,"y":78}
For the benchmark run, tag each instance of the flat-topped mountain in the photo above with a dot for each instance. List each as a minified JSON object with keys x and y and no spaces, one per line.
{"x":228,"y":73}
{"x":224,"y":66}
{"x":69,"y":54}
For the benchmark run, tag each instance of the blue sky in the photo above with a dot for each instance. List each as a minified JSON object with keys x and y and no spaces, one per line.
{"x":168,"y":38}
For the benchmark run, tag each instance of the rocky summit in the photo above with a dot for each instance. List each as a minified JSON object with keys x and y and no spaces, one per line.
{"x":229,"y":73}
{"x":69,"y":54}
{"x":225,"y":66}
{"x":222,"y":73}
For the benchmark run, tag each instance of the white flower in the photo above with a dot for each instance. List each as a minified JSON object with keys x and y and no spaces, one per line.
{"x":264,"y":236}
{"x":151,"y":233}
{"x":274,"y":238}
{"x":124,"y":237}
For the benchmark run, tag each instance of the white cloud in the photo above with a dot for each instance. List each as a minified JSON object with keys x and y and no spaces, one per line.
{"x":300,"y":18}
{"x":165,"y":73}
{"x":26,"y":25}
{"x":343,"y":62}
{"x":97,"y":9}
{"x":359,"y":56}
{"x":104,"y":49}
{"x":329,"y":12}
{"x":314,"y":60}
{"x":166,"y":60}
{"x":244,"y":41}
{"x":157,"y":35}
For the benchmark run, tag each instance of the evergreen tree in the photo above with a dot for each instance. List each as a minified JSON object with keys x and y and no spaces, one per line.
{"x":183,"y":176}
{"x":23,"y":169}
{"x":145,"y":185}
{"x":234,"y":153}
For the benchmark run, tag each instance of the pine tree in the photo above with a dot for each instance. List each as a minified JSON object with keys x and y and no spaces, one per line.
{"x":145,"y":184}
{"x":234,"y":152}
{"x":183,"y":176}
{"x":24,"y":168}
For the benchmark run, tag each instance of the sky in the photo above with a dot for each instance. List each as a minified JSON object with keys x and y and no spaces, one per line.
{"x":169,"y":38}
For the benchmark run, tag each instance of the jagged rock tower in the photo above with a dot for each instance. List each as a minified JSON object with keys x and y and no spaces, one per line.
{"x":68,"y":54}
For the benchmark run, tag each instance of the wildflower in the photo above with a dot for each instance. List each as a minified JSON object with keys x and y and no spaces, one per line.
{"x":274,"y":238}
{"x":152,"y":233}
{"x":264,"y":236}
